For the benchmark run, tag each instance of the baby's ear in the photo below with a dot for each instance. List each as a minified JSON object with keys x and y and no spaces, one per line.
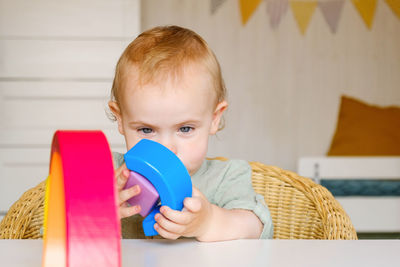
{"x":116,"y":111}
{"x":217,"y":115}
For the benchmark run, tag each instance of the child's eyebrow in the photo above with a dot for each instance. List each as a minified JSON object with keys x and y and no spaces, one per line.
{"x":190,"y":122}
{"x":186,"y":122}
{"x":141,"y":123}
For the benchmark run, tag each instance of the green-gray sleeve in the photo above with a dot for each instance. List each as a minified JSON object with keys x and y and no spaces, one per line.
{"x":236,"y":192}
{"x":228,"y":185}
{"x":118,"y":159}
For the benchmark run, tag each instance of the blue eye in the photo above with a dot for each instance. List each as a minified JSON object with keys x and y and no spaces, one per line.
{"x":146,"y":130}
{"x":185,"y":129}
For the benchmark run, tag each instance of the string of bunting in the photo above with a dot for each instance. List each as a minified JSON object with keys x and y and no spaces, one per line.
{"x":303,"y":10}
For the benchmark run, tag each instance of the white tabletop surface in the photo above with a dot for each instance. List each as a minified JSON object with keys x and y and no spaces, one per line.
{"x":264,"y":253}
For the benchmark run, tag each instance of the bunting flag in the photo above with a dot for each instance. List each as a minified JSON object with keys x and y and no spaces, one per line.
{"x":331,"y":10}
{"x":276,"y":9}
{"x":303,"y":11}
{"x":215,"y":4}
{"x":366,"y":8}
{"x":247,"y":8}
{"x":395,"y":6}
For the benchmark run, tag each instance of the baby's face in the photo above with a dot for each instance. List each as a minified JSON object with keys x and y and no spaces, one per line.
{"x":180,"y":115}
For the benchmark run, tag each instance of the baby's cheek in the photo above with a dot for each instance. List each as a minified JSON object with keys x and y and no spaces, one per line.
{"x":194,"y":158}
{"x":131,"y":139}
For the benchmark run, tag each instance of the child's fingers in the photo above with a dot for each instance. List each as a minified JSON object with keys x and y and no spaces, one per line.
{"x":128,"y":211}
{"x":164,"y":233}
{"x":193,"y":204}
{"x":126,"y":194}
{"x":168,"y":225}
{"x":121,"y":176}
{"x":197,"y":193}
{"x":176,"y":216}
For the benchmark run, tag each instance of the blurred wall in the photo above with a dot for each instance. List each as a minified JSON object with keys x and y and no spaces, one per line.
{"x":284,"y":88}
{"x":57,"y":61}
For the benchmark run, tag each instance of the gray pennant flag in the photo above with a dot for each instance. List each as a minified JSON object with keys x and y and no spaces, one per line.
{"x":215,"y":4}
{"x":331,"y":9}
{"x":276,"y":9}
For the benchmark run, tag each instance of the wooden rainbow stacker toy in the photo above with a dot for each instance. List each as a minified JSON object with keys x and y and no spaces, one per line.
{"x":82,"y":226}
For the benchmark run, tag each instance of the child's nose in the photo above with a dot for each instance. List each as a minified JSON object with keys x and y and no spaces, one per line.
{"x":170,"y":145}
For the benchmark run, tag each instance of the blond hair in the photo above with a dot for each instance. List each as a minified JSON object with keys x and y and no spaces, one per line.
{"x":165,"y":51}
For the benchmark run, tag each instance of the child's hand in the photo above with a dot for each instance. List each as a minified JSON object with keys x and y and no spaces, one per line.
{"x":121,"y":176}
{"x":192,"y":221}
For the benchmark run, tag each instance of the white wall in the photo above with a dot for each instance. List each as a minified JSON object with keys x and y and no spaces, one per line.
{"x":284,"y":88}
{"x":57,"y":61}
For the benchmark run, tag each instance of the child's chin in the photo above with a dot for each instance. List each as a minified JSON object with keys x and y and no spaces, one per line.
{"x":192,"y":171}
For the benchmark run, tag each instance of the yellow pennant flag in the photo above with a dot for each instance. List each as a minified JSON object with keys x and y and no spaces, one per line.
{"x":303,"y":11}
{"x":395,"y":6}
{"x":366,"y":8}
{"x":247,"y":8}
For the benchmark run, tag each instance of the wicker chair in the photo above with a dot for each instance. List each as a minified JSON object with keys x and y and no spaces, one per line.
{"x":300,"y":208}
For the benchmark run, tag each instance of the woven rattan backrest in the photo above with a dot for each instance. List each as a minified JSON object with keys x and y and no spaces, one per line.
{"x":25,"y":217}
{"x":300,"y":208}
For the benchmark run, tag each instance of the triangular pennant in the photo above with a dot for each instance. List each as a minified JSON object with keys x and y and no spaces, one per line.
{"x":366,"y":8}
{"x":395,"y":6}
{"x":247,"y":7}
{"x":331,"y":10}
{"x":276,"y":9}
{"x":215,"y":4}
{"x":303,"y":11}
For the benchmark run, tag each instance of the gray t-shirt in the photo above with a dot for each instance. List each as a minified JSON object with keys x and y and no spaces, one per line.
{"x":226,"y":184}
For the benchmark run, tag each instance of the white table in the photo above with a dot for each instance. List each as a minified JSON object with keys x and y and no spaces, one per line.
{"x":264,"y":253}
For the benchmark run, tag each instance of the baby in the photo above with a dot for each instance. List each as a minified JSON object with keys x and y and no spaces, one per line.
{"x":168,"y":88}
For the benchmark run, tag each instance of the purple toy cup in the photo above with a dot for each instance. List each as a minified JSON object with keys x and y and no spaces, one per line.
{"x":148,"y":196}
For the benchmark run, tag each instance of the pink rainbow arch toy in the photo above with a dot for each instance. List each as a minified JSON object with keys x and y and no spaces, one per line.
{"x":81,"y":225}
